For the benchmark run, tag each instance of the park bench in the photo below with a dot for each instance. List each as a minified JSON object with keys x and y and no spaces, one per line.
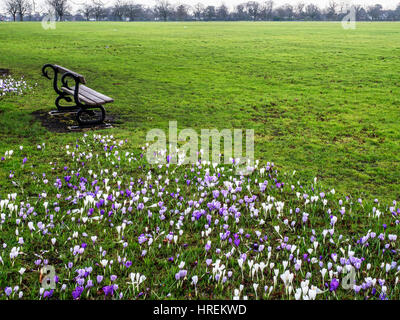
{"x":88,"y":103}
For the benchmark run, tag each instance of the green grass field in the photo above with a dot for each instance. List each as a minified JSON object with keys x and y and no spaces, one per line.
{"x":323,"y":101}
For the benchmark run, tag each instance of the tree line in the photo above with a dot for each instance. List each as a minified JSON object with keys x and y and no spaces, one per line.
{"x":163,"y":10}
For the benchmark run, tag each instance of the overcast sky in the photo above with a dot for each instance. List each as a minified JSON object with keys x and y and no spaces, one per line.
{"x":389,"y":4}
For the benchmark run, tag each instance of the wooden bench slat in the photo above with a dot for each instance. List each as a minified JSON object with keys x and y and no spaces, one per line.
{"x":88,"y":96}
{"x":95,"y":93}
{"x":83,"y":98}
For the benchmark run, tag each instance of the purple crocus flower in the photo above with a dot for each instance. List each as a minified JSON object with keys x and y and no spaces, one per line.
{"x":89,"y":284}
{"x":108,"y":290}
{"x":8,"y":291}
{"x":77,"y":292}
{"x":334,"y":284}
{"x":128,"y":264}
{"x":99,"y":279}
{"x":182,"y":273}
{"x":48,"y":294}
{"x":142,"y":238}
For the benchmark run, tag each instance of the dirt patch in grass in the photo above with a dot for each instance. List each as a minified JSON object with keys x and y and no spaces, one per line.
{"x":61,"y":122}
{"x":4,"y":72}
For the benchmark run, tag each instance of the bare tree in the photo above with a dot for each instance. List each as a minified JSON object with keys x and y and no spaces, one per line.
{"x":397,"y":11}
{"x":133,"y":11}
{"x":267,"y":9}
{"x":240,"y":12}
{"x":299,"y":10}
{"x":289,"y":11}
{"x":198,"y":10}
{"x":253,"y":9}
{"x":98,"y":9}
{"x":163,"y":9}
{"x":12,"y":8}
{"x":59,"y":7}
{"x":285,"y":12}
{"x":23,"y":7}
{"x":222,"y":12}
{"x":182,"y":12}
{"x":209,"y":13}
{"x":118,"y":10}
{"x":360,"y":12}
{"x":331,"y":10}
{"x":375,"y":11}
{"x":313,"y":12}
{"x":86,"y":11}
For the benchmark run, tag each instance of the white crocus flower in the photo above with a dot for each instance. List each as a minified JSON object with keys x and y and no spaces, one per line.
{"x":104,"y":263}
{"x":255,"y":286}
{"x":312,"y":294}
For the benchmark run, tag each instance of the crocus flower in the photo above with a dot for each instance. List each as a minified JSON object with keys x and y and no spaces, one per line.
{"x":76,"y":293}
{"x":334,"y":284}
{"x":108,"y":290}
{"x":8,"y":291}
{"x":99,"y":278}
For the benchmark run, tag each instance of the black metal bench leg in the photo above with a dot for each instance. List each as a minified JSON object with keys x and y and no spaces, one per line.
{"x":90,"y":112}
{"x":64,"y":109}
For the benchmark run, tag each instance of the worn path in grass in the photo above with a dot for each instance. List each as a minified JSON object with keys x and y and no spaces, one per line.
{"x":323,"y":101}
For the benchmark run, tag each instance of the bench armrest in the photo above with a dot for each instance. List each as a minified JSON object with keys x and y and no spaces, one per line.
{"x":65,"y":70}
{"x":77,"y":81}
{"x":45,"y":73}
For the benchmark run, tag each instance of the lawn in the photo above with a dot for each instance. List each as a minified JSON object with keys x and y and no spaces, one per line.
{"x":323,"y":102}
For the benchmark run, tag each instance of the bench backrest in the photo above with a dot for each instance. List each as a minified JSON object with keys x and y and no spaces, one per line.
{"x":65,"y":70}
